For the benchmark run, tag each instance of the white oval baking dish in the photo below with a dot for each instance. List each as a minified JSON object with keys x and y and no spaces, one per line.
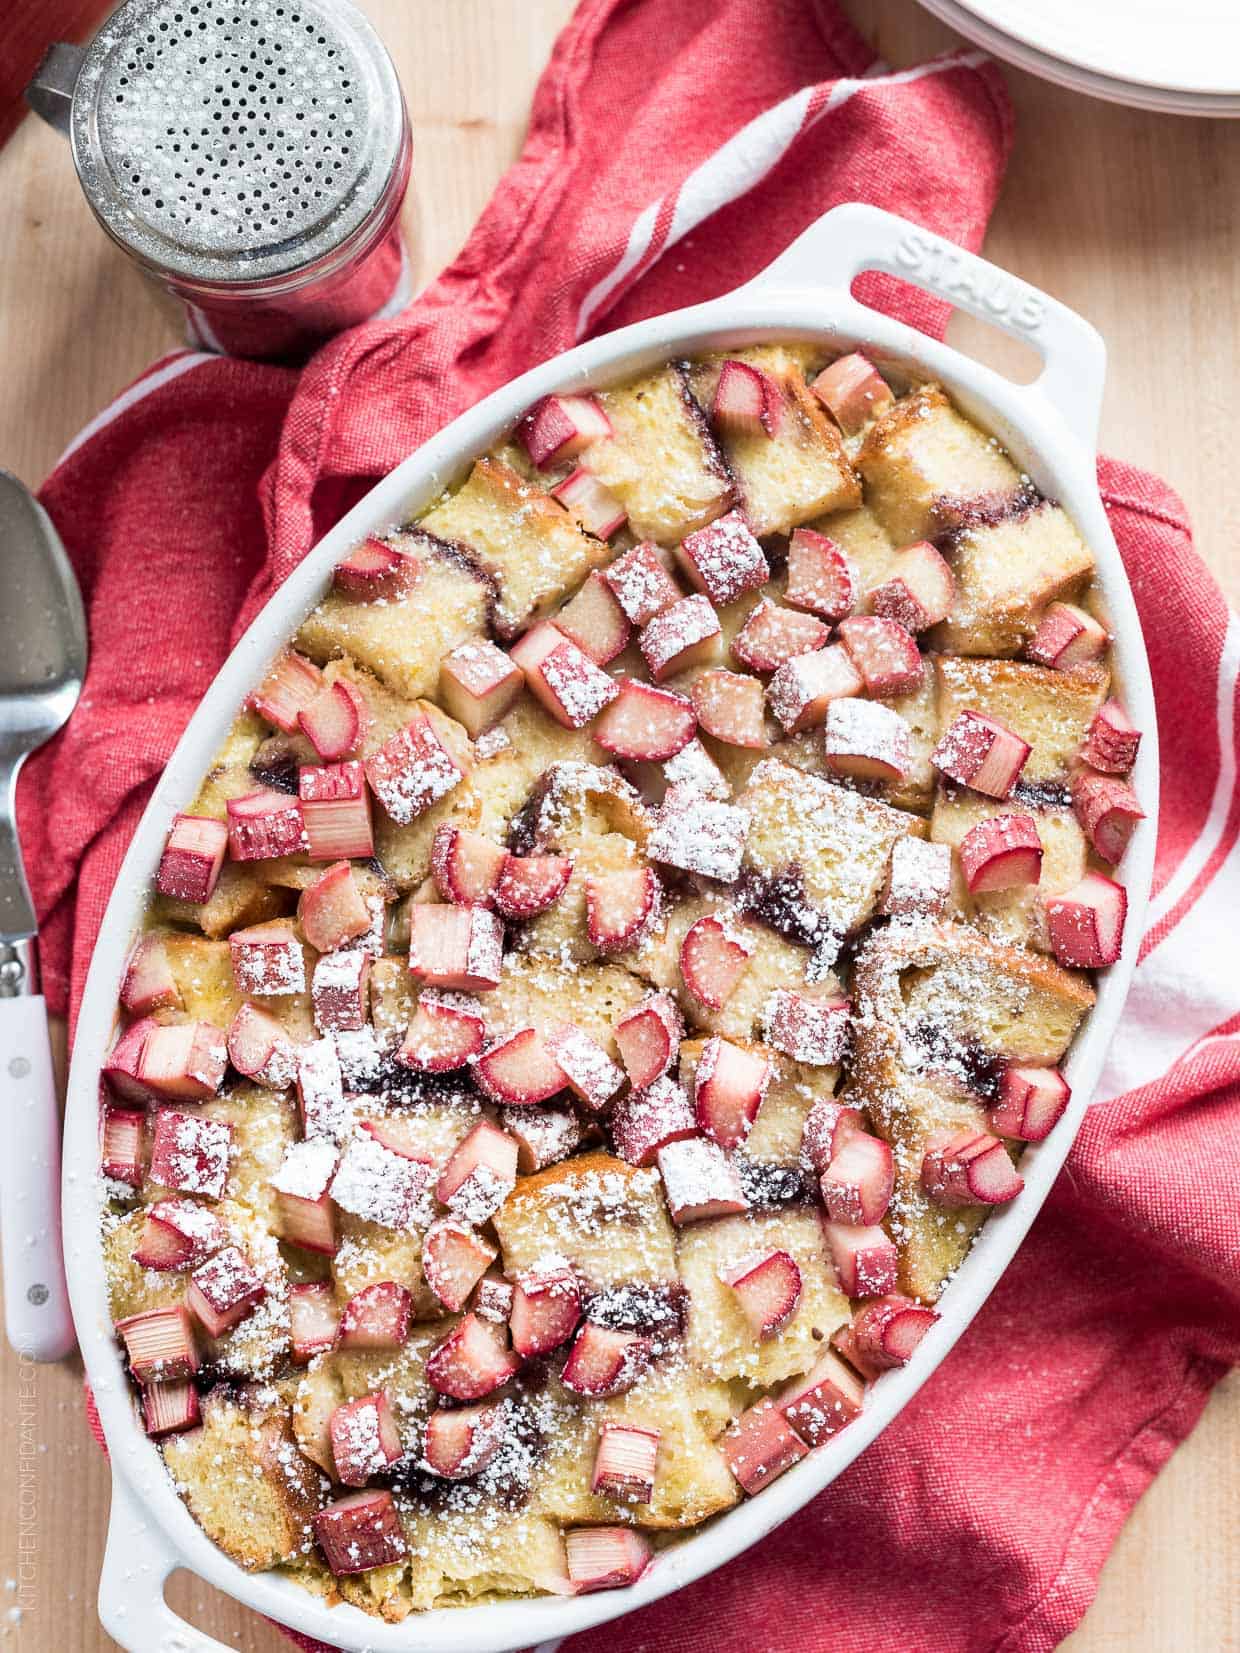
{"x":1050,"y":428}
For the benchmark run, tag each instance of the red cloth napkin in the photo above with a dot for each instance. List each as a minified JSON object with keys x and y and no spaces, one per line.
{"x":675,"y":147}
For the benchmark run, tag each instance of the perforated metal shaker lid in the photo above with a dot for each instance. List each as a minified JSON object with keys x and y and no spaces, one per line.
{"x":237,"y":141}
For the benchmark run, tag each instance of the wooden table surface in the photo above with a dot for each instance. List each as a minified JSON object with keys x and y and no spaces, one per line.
{"x":1129,"y":217}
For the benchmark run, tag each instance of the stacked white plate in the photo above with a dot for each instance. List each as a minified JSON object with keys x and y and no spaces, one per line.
{"x":1181,"y":58}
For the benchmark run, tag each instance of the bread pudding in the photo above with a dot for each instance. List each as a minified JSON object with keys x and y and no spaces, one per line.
{"x":608,"y":975}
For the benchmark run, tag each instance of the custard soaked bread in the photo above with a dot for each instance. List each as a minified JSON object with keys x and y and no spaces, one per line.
{"x":610,"y":971}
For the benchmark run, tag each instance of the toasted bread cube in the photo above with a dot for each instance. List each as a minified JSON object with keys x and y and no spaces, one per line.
{"x":264,"y":1125}
{"x":131,"y":1288}
{"x":244,"y":1481}
{"x":573,"y":802}
{"x":719,"y":1338}
{"x":1007,"y":571}
{"x":539,"y":992}
{"x":606,"y":1217}
{"x":241,"y":896}
{"x":922,"y":463}
{"x":528,"y":743}
{"x":473,"y":1549}
{"x":525,"y":539}
{"x":661,"y":460}
{"x":403,"y":639}
{"x":1052,"y":710}
{"x":799,"y":472}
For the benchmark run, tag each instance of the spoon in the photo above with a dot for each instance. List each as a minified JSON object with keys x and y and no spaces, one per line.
{"x":42,"y":665}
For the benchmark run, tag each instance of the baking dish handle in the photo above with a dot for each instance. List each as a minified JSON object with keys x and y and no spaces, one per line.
{"x":851,"y":239}
{"x":136,"y":1566}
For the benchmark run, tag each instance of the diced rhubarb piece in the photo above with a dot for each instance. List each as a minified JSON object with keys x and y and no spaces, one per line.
{"x":149,"y":983}
{"x":646,"y":1120}
{"x":687,"y":634}
{"x":561,"y":427}
{"x":884,"y":653}
{"x":1001,"y":853}
{"x":120,"y":1145}
{"x":723,"y":560}
{"x":819,"y":1404}
{"x":1030,"y":1103}
{"x":364,"y":1437}
{"x":543,"y":1135}
{"x":648,"y":1038}
{"x":185,"y":1060}
{"x":697,"y":834}
{"x":529,"y":884}
{"x":480,"y":1175}
{"x":444,"y":1032}
{"x":731,"y":707}
{"x":591,"y":504}
{"x":919,"y":593}
{"x":335,"y":720}
{"x":919,"y":879}
{"x":624,"y":1464}
{"x":1067,"y":636}
{"x":333,"y":910}
{"x":492,"y":1299}
{"x":267,"y":959}
{"x":713,"y":958}
{"x":864,"y":1259}
{"x":471,"y":1362}
{"x":160,"y":1344}
{"x":803,"y":688}
{"x":968,"y":1168}
{"x":592,"y":1076}
{"x":866,"y":740}
{"x":979,"y":752}
{"x":886,"y":1332}
{"x":335,"y":812}
{"x":622,"y":907}
{"x":828,"y":1126}
{"x":1111,"y":741}
{"x":772,"y":636}
{"x":546,"y":1308}
{"x":729,"y":1084}
{"x":340,"y":991}
{"x":747,"y":401}
{"x":594,"y":619}
{"x":853,"y":392}
{"x":858,"y":1183}
{"x":376,"y":1317}
{"x":380,"y":1185}
{"x":264,"y":825}
{"x":1107,"y":809}
{"x":565,"y":681}
{"x":189,"y":1154}
{"x":477,"y":685}
{"x":177,"y":1235}
{"x":168,"y":1408}
{"x":641,"y":584}
{"x":466,"y":865}
{"x":699,"y":1181}
{"x":603,"y":1362}
{"x":190,"y":864}
{"x":820,"y":576}
{"x":313,"y":1319}
{"x":223,"y":1291}
{"x":760,"y":1446}
{"x":120,"y":1067}
{"x":810,"y":1025}
{"x":768,"y":1291}
{"x":378,"y":571}
{"x":291,"y":684}
{"x":325,"y":1110}
{"x":304,"y":1208}
{"x":457,"y":948}
{"x":645,"y":724}
{"x":360,"y":1532}
{"x":460,"y":1441}
{"x":412,"y":770}
{"x":1087,"y":922}
{"x":454,"y":1259}
{"x":605,"y":1558}
{"x":520,"y":1070}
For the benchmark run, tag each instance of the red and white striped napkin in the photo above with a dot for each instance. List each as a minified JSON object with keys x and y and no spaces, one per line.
{"x":675,"y":147}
